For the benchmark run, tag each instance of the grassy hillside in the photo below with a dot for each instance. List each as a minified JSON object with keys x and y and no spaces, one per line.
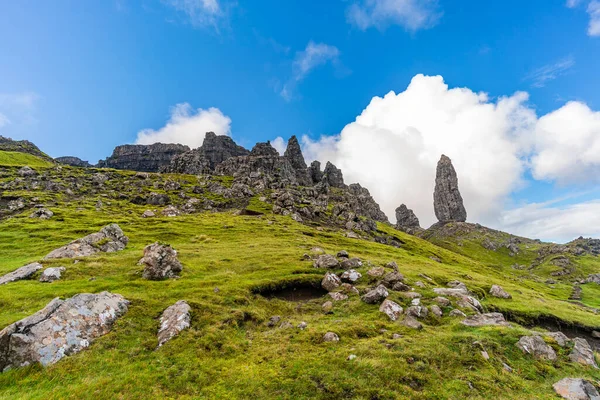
{"x":229,"y":352}
{"x":13,"y":158}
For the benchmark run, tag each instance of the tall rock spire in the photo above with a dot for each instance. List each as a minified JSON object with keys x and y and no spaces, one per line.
{"x":294,"y":155}
{"x":447,"y":201}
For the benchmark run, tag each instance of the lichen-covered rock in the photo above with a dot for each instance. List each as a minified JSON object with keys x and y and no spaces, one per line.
{"x":447,"y":201}
{"x":376,"y":295}
{"x":110,"y":238}
{"x":331,"y":337}
{"x":51,"y":274}
{"x":160,"y":262}
{"x":391,"y":309}
{"x":576,"y":389}
{"x":407,"y":221}
{"x":24,"y":272}
{"x":537,"y":347}
{"x":171,"y":211}
{"x":42,"y":213}
{"x":442,"y":301}
{"x":61,"y":328}
{"x":417,"y":311}
{"x":457,"y":313}
{"x":326,"y":261}
{"x":391,"y":278}
{"x":351,"y":276}
{"x":497,"y":291}
{"x":27,"y":171}
{"x":582,"y":353}
{"x":376,"y":272}
{"x":173,"y":320}
{"x":330,"y":282}
{"x":350,"y":263}
{"x":487,"y":319}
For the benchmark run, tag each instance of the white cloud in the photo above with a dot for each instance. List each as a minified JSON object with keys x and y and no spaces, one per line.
{"x":594,"y":12}
{"x":200,"y":13}
{"x":573,"y":3}
{"x":543,"y":75}
{"x":567,"y":145}
{"x":187,"y":126}
{"x":279,"y":144}
{"x":305,"y":61}
{"x":413,"y":15}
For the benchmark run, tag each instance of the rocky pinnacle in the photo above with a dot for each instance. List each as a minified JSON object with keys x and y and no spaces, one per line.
{"x":447,"y":201}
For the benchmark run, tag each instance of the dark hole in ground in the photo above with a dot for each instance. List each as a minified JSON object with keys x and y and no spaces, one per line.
{"x":292,"y":291}
{"x":245,"y":211}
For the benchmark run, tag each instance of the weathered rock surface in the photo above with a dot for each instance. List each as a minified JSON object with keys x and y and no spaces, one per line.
{"x":411,"y":322}
{"x":42,"y":213}
{"x":51,"y":274}
{"x":331,"y":337}
{"x":145,"y":158}
{"x":376,"y":295}
{"x":333,"y":176}
{"x":173,"y":320}
{"x":294,"y":154}
{"x":407,"y":221}
{"x":576,"y":389}
{"x":316,"y":175}
{"x":62,"y":328}
{"x":391,"y":309}
{"x":447,"y":201}
{"x":110,"y":238}
{"x":351,"y":276}
{"x":160,"y":262}
{"x":497,"y":291}
{"x":350,"y":263}
{"x":326,"y":261}
{"x":493,"y":319}
{"x":24,"y":272}
{"x":73,"y":161}
{"x":338,"y":296}
{"x":582,"y":353}
{"x":417,"y":311}
{"x":330,"y":282}
{"x":537,"y":347}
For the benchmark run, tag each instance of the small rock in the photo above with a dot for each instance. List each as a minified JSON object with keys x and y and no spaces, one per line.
{"x":148,"y":214}
{"x":596,"y":334}
{"x":560,"y":338}
{"x":286,"y":325}
{"x":327,"y":307}
{"x":42,"y":213}
{"x":487,"y":319}
{"x":582,"y":353}
{"x":302,"y":325}
{"x":396,"y":336}
{"x":485,"y":355}
{"x":326,"y":261}
{"x":337,"y":296}
{"x":392,"y":265}
{"x":51,"y":274}
{"x":216,"y":290}
{"x":171,"y":211}
{"x":415,"y":302}
{"x":537,"y":347}
{"x":27,"y":171}
{"x":420,"y":284}
{"x":160,"y":262}
{"x":351,"y":357}
{"x":412,"y":323}
{"x":410,"y":295}
{"x":351,"y":276}
{"x":457,"y":313}
{"x":110,"y":239}
{"x":507,"y":367}
{"x":21,"y":273}
{"x":343,"y":254}
{"x":417,"y":311}
{"x":349,"y":263}
{"x":576,"y":389}
{"x":391,"y":309}
{"x":349,"y":289}
{"x":331,"y":337}
{"x":390,"y":279}
{"x":401,"y":287}
{"x":436,"y":310}
{"x":173,"y":320}
{"x":376,"y":295}
{"x":330,"y":282}
{"x":274,"y":320}
{"x":442,"y":301}
{"x":376,"y":272}
{"x":497,"y":291}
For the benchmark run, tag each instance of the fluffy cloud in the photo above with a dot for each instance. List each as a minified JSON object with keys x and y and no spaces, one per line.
{"x":594,"y":12}
{"x":279,"y":144}
{"x":567,"y":145}
{"x":313,"y":56}
{"x":543,"y":75}
{"x":393,"y":146}
{"x":187,"y":126}
{"x":410,"y":14}
{"x":200,"y":13}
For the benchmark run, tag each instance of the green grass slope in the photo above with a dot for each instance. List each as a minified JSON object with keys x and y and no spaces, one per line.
{"x":230,"y":353}
{"x":14,"y":158}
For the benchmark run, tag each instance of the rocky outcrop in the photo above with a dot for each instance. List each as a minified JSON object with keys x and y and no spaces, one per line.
{"x":160,"y":262}
{"x":489,"y":319}
{"x":173,"y":320}
{"x":391,"y":309}
{"x":447,"y":201}
{"x":315,"y":173}
{"x":214,"y":150}
{"x":21,"y":273}
{"x":51,"y":274}
{"x":22,"y":146}
{"x":407,"y":221}
{"x":294,"y":154}
{"x":73,"y":161}
{"x":376,"y":295}
{"x":330,"y":282}
{"x":497,"y":291}
{"x":333,"y":176}
{"x":145,"y":158}
{"x":537,"y":347}
{"x":264,"y":149}
{"x":61,"y":328}
{"x":576,"y":389}
{"x":582,"y":353}
{"x":110,"y":239}
{"x":41,"y":213}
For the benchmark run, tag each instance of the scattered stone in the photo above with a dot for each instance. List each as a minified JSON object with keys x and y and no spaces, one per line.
{"x":417,"y":311}
{"x":560,"y":338}
{"x":582,"y":353}
{"x":487,"y":319}
{"x":454,"y":292}
{"x":485,"y":355}
{"x":343,"y":254}
{"x":410,"y":295}
{"x":327,"y":307}
{"x":420,"y":284}
{"x":160,"y":262}
{"x":216,"y":290}
{"x":24,"y":272}
{"x":497,"y":291}
{"x":457,"y":313}
{"x":331,"y":337}
{"x":436,"y":310}
{"x":537,"y":347}
{"x":575,"y":293}
{"x":396,"y":336}
{"x":507,"y":367}
{"x":302,"y":325}
{"x":330,"y":282}
{"x":148,"y":214}
{"x":415,"y":302}
{"x":436,"y":259}
{"x":349,"y":289}
{"x":110,"y":239}
{"x":326,"y":261}
{"x":393,"y":265}
{"x":61,"y":328}
{"x":337,"y":296}
{"x":27,"y":171}
{"x":173,"y":320}
{"x":376,"y":272}
{"x":351,"y":357}
{"x":576,"y":389}
{"x":351,"y":276}
{"x":391,"y":309}
{"x":442,"y":301}
{"x":51,"y":274}
{"x":286,"y":325}
{"x":376,"y":295}
{"x":469,"y":302}
{"x":171,"y":211}
{"x":391,"y":278}
{"x":411,"y":322}
{"x":401,"y":287}
{"x":353,"y":262}
{"x":596,"y":334}
{"x":42,"y":213}
{"x":447,"y":201}
{"x":274,"y":320}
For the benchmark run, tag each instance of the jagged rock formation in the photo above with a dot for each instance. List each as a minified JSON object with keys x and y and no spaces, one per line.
{"x":110,"y":238}
{"x":316,"y":175}
{"x":203,"y":160}
{"x":73,"y":161}
{"x":407,"y":221}
{"x":333,"y":176}
{"x":447,"y":201}
{"x":61,"y":328}
{"x":145,"y":158}
{"x":22,"y":146}
{"x":264,"y":149}
{"x":294,"y":154}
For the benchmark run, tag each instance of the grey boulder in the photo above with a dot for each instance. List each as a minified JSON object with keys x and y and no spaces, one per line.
{"x":582,"y":353}
{"x":110,"y":239}
{"x":576,"y":389}
{"x":330,"y":282}
{"x":326,"y":261}
{"x":488,"y":319}
{"x":51,"y":274}
{"x":21,"y":273}
{"x":173,"y":320}
{"x":537,"y":347}
{"x":497,"y":291}
{"x":447,"y":201}
{"x":376,"y":295}
{"x":391,"y":309}
{"x":160,"y":262}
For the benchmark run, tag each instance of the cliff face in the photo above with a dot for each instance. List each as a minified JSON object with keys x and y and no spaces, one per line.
{"x":145,"y":158}
{"x":73,"y":161}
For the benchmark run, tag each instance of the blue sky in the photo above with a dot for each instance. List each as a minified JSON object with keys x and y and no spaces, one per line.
{"x":78,"y":78}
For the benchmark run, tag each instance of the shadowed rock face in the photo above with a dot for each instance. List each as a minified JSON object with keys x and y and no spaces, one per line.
{"x":110,"y":238}
{"x":264,"y":149}
{"x":294,"y":154}
{"x":145,"y":158}
{"x":73,"y":161}
{"x":447,"y":201}
{"x":405,"y":217}
{"x":333,"y":176}
{"x":315,"y":172}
